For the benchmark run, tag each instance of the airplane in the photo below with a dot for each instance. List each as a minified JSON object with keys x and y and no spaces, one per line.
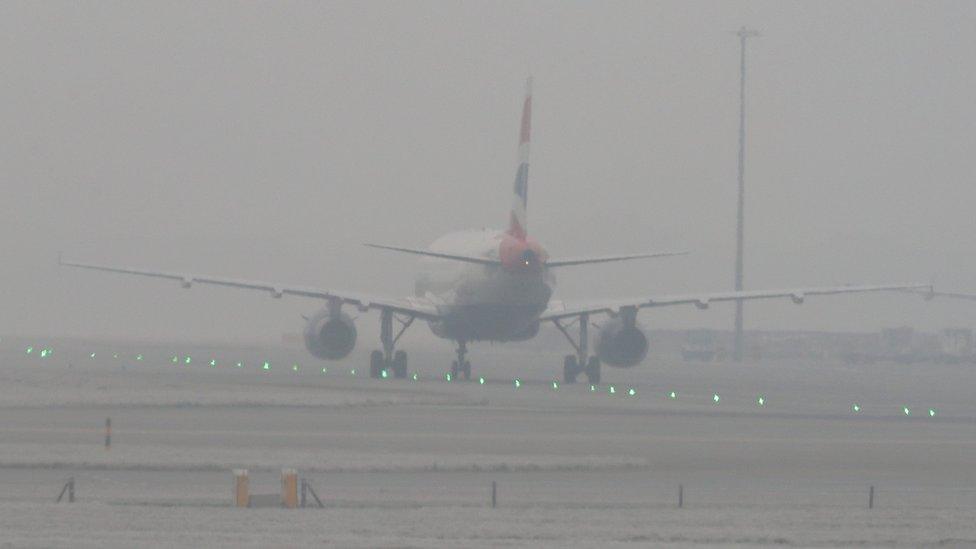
{"x":490,"y":285}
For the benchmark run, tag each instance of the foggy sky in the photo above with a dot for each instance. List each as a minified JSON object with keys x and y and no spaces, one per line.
{"x":267,"y":141}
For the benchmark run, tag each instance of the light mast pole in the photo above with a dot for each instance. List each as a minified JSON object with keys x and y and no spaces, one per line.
{"x":742,"y":34}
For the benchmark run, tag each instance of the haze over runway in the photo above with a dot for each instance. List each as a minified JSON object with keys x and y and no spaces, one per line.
{"x":269,"y":141}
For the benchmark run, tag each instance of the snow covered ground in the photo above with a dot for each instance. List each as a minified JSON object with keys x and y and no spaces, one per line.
{"x":402,"y":463}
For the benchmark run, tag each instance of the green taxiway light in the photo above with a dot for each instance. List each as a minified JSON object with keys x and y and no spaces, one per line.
{"x":631,"y":392}
{"x":187,"y":360}
{"x":43,"y":353}
{"x":715,"y":398}
{"x":481,"y":381}
{"x":325,"y":370}
{"x":518,"y":383}
{"x":761,"y":401}
{"x":672,"y":395}
{"x":592,"y":388}
{"x":138,"y":357}
{"x":91,"y":355}
{"x":931,"y":412}
{"x":414,"y":376}
{"x":612,"y":390}
{"x":239,"y":364}
{"x":213,"y":361}
{"x":294,"y":367}
{"x":267,"y":365}
{"x":115,"y":355}
{"x":176,"y":359}
{"x":555,"y":385}
{"x":906,"y":411}
{"x":856,"y":408}
{"x":352,"y":372}
{"x":383,"y":374}
{"x":30,"y":350}
{"x":447,"y":377}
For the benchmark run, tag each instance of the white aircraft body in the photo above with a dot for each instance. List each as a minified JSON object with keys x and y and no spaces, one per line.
{"x":491,"y":286}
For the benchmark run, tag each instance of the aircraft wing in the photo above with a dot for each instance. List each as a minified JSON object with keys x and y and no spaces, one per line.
{"x":418,"y":307}
{"x":957,"y":295}
{"x":558,"y":310}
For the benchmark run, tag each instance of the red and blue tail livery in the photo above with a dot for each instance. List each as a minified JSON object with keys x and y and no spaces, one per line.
{"x":517,"y":226}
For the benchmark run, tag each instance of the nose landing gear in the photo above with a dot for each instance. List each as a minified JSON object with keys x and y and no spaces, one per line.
{"x":461,"y":366}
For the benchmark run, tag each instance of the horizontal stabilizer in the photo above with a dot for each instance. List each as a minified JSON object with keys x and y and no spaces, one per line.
{"x":569,"y":261}
{"x":439,"y":255}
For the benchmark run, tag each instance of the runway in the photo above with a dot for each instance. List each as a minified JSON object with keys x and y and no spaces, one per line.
{"x":408,"y":463}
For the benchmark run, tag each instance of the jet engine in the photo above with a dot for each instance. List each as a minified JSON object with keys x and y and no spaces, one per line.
{"x":620,"y":343}
{"x":329,"y":335}
{"x":530,"y":332}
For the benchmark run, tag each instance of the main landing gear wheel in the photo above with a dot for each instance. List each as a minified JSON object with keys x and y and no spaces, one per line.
{"x":400,"y":364}
{"x":571,"y":369}
{"x":376,"y":364}
{"x":387,"y":360}
{"x":593,"y":370}
{"x":581,"y":362}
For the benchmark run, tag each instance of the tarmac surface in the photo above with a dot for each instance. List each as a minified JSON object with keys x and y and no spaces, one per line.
{"x":785,"y":456}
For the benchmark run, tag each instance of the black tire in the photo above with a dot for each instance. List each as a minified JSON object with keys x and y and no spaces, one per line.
{"x":376,"y":364}
{"x":467,"y":370}
{"x":571,"y":369}
{"x":400,"y":364}
{"x":593,"y":370}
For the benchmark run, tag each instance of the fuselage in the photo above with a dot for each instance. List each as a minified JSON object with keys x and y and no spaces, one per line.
{"x":499,"y":302}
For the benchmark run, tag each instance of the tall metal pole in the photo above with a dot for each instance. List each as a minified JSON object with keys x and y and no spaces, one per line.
{"x":742,"y":34}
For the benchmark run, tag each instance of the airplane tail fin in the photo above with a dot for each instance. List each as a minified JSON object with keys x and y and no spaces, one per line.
{"x":517,"y":224}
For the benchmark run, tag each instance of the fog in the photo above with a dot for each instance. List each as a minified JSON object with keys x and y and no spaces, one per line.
{"x":269,"y":140}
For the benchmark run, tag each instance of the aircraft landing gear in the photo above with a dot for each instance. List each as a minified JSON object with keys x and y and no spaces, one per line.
{"x":582,"y":362}
{"x":387,"y":360}
{"x":461,"y":366}
{"x":593,"y":370}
